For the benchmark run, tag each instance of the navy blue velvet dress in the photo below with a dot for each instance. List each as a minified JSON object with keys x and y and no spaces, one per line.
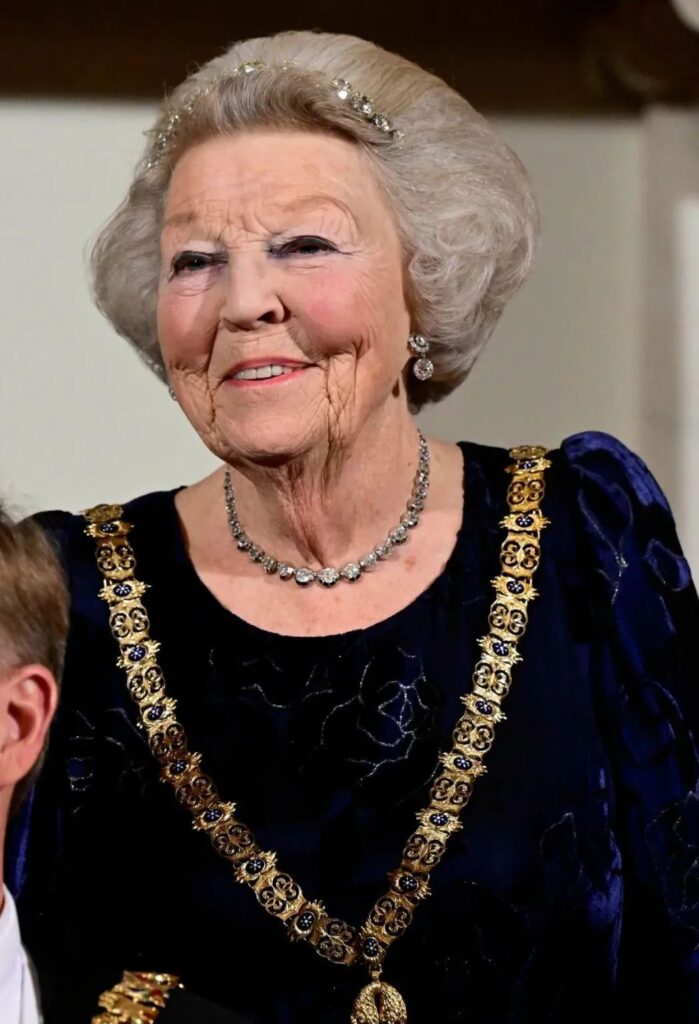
{"x":573,"y":887}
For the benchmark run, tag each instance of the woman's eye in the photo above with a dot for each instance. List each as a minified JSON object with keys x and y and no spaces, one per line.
{"x":192,"y":261}
{"x":305,"y":245}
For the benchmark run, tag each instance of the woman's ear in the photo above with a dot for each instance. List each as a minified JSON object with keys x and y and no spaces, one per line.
{"x":28,"y":697}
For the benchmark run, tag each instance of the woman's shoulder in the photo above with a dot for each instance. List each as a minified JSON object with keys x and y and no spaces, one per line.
{"x":624,"y":543}
{"x":67,"y":527}
{"x":68,"y":530}
{"x":617,"y":502}
{"x":611,"y":522}
{"x":588,"y":460}
{"x":593,"y":456}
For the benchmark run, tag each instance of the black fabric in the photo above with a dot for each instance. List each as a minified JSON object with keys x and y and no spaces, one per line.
{"x":185,"y":1008}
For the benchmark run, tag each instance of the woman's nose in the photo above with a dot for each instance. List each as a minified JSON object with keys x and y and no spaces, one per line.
{"x":251,"y":296}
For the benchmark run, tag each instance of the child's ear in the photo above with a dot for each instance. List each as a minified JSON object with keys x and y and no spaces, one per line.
{"x":28,"y":697}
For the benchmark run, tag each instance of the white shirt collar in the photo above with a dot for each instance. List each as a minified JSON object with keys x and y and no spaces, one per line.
{"x":17,"y":995}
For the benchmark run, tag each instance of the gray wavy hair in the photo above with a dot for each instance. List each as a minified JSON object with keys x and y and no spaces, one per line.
{"x":462,"y":201}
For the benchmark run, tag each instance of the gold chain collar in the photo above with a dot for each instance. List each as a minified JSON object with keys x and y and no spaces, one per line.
{"x":473,"y":736}
{"x":137,"y":999}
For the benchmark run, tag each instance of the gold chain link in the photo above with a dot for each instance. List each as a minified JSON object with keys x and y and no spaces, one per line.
{"x":473,"y":735}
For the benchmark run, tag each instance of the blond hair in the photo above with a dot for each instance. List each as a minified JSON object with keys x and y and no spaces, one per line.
{"x":33,"y":608}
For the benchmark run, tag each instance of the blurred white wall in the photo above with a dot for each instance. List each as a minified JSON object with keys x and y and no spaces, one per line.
{"x":670,"y":305}
{"x":565,"y":356}
{"x":81,"y":420}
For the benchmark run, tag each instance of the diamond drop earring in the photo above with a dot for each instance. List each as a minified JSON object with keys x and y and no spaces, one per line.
{"x":423,"y":368}
{"x":171,"y":392}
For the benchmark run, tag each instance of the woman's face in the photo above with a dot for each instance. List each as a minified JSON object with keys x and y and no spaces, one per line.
{"x":282,"y":313}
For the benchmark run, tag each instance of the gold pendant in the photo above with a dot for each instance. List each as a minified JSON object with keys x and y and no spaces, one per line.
{"x":379,"y":1003}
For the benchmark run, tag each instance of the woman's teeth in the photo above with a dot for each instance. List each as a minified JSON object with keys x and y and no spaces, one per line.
{"x":262,"y":372}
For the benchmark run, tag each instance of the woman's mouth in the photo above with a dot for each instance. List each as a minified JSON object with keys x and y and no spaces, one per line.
{"x":265,"y":373}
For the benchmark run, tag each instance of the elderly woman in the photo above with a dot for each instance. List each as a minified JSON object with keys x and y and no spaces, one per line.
{"x":309,"y":655}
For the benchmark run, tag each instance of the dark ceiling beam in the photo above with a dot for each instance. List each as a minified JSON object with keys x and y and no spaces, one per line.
{"x":511,"y":56}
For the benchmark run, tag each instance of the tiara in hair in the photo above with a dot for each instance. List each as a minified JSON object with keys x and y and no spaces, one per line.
{"x":361,"y":104}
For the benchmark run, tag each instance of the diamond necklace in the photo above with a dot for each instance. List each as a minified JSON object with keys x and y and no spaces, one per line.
{"x":353,"y":571}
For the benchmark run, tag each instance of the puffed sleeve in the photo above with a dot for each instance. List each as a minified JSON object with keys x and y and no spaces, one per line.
{"x":645,"y":611}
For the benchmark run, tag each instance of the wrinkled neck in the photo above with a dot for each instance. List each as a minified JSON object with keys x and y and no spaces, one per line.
{"x":335,"y":502}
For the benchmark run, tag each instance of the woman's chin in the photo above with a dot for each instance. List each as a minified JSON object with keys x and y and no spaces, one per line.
{"x":269,"y":444}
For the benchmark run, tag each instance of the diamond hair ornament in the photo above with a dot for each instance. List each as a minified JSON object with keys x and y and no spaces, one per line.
{"x":340,"y":87}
